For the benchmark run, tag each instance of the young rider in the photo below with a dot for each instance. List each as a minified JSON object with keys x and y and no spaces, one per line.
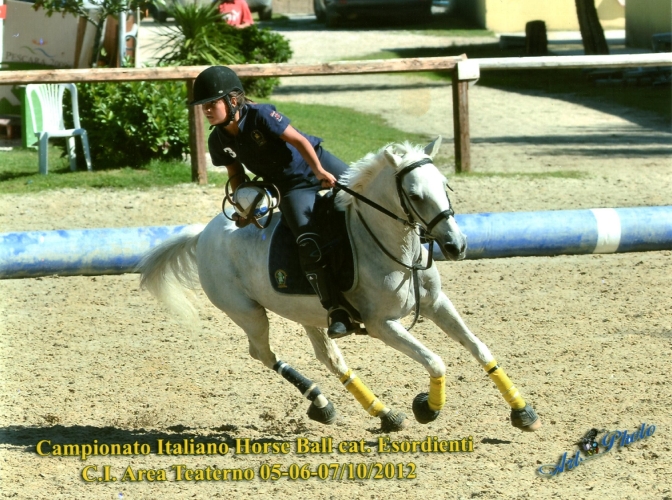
{"x":259,"y":138}
{"x":236,"y":13}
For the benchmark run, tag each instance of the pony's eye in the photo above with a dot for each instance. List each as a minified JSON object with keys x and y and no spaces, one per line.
{"x":414,"y":197}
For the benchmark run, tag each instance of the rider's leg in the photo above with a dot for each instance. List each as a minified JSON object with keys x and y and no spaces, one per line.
{"x":331,"y":163}
{"x":320,"y":279}
{"x":296,"y":207}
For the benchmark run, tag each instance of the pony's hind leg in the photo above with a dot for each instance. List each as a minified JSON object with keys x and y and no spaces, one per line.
{"x":330,"y":355}
{"x":443,"y":313}
{"x":254,"y":321}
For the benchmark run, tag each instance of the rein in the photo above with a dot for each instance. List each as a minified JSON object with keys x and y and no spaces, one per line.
{"x":409,"y":222}
{"x":413,"y":268}
{"x":373,"y":204}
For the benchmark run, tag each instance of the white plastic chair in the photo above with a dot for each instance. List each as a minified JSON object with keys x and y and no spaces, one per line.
{"x":50,"y":98}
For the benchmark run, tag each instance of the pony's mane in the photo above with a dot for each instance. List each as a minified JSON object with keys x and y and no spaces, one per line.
{"x":362,"y":172}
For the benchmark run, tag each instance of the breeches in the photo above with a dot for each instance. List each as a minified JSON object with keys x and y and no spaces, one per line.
{"x":297,"y":203}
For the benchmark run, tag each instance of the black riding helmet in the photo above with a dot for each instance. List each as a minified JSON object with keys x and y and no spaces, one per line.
{"x":217,"y":82}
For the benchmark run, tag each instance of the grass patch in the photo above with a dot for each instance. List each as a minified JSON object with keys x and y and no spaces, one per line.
{"x":347,"y":134}
{"x":450,"y":25}
{"x":20,"y":172}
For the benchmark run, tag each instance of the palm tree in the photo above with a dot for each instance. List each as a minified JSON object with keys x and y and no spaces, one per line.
{"x":197,"y":37}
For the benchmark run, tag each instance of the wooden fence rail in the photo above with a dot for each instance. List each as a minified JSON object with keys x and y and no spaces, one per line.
{"x":462,"y":70}
{"x":251,"y":70}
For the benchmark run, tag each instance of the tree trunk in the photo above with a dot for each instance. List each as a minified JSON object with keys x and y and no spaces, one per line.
{"x":594,"y":42}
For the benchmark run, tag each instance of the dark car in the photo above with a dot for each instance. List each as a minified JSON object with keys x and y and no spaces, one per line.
{"x":334,"y":11}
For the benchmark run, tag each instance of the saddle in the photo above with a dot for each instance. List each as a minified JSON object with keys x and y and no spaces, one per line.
{"x":284,"y":267}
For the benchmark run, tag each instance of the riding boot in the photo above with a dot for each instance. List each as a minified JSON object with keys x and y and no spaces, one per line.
{"x":319,"y":278}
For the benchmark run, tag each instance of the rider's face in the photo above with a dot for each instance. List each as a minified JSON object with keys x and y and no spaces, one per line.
{"x":215,"y":111}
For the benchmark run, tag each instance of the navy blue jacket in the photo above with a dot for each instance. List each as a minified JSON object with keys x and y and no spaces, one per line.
{"x":260,"y":149}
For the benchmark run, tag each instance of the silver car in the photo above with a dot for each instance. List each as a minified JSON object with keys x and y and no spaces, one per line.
{"x":263,"y":7}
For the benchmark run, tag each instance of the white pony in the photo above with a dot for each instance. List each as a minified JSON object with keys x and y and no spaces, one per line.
{"x":393,"y":276}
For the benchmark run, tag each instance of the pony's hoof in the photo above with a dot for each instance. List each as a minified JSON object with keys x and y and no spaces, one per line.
{"x":326,"y":415}
{"x":393,"y":421}
{"x":525,"y":419}
{"x":421,"y":409}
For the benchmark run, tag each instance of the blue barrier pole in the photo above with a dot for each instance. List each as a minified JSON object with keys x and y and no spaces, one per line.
{"x":79,"y":252}
{"x":558,"y":232}
{"x":489,"y":235}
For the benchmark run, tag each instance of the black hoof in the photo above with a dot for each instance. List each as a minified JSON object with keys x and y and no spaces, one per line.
{"x":392,"y":421}
{"x":326,"y":415}
{"x":421,"y":409}
{"x":525,"y":419}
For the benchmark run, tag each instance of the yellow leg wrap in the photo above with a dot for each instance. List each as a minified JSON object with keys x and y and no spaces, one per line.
{"x":437,"y":393}
{"x":362,"y":393}
{"x":505,"y":386}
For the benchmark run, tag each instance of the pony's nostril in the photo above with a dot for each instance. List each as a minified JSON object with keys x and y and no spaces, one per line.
{"x":452,"y":249}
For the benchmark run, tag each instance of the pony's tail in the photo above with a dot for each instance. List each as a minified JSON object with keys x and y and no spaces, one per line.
{"x":169,"y":268}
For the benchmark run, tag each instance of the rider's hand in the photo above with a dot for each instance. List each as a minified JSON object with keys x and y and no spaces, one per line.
{"x":326,"y":179}
{"x":239,"y":220}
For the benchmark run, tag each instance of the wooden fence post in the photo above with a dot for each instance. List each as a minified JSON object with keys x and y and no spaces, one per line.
{"x":199,"y":172}
{"x":464,"y":72}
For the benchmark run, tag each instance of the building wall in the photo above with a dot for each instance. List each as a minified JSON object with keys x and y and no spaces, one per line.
{"x":645,"y":18}
{"x":506,"y":16}
{"x":32,"y":38}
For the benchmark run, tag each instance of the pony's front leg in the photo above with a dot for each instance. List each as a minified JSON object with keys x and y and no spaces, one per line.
{"x":443,"y":313}
{"x":252,"y":318}
{"x":426,"y":406}
{"x":330,"y":355}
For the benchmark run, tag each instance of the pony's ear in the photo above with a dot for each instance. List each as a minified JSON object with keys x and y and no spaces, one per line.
{"x":391,"y":157}
{"x":433,"y":147}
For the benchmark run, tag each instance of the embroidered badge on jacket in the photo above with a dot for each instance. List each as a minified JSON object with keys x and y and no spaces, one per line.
{"x":258,"y":137}
{"x":276,"y":115}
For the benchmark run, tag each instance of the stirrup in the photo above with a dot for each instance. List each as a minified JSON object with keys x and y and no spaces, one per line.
{"x":340,"y":324}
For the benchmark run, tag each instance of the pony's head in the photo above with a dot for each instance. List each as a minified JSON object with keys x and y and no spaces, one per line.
{"x":421,"y":191}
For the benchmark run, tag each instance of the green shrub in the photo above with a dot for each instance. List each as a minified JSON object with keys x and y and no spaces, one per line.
{"x":131,"y":123}
{"x":262,"y":46}
{"x":200,"y":37}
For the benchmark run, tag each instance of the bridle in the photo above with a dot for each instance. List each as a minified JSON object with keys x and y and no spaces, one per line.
{"x":407,"y":205}
{"x":424,"y":228}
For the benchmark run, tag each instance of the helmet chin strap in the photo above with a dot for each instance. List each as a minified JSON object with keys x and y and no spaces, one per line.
{"x":231,"y":110}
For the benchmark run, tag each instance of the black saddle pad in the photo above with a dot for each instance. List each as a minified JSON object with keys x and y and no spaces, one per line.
{"x":284,"y":268}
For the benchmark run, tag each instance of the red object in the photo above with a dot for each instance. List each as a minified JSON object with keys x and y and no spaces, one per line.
{"x":236,"y":13}
{"x":3,"y":11}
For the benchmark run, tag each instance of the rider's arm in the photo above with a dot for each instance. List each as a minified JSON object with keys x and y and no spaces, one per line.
{"x":236,"y":174}
{"x":237,"y":177}
{"x":291,"y":136}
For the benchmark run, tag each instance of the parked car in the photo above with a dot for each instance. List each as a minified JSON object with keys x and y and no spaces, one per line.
{"x":263,"y":7}
{"x":334,"y":11}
